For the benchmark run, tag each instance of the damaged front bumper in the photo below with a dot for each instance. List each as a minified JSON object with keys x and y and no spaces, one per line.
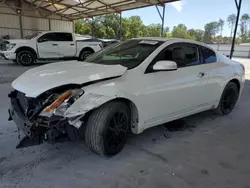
{"x":38,"y":129}
{"x":23,"y":124}
{"x":8,"y":55}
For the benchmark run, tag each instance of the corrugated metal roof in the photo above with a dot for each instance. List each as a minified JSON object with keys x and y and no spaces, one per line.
{"x":75,"y":9}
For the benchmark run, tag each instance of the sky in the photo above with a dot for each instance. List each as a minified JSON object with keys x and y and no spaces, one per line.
{"x":193,"y":13}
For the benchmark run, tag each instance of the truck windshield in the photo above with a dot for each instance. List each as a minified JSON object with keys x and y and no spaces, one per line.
{"x":129,"y":53}
{"x":32,"y":36}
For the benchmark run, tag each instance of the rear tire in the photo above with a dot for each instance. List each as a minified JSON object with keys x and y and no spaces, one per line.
{"x":107,"y":128}
{"x":228,"y":99}
{"x":25,"y":58}
{"x":84,"y":54}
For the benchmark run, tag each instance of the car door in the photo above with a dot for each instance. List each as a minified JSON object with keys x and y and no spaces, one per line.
{"x":217,"y":72}
{"x":66,"y":45}
{"x":172,"y":94}
{"x":47,"y":46}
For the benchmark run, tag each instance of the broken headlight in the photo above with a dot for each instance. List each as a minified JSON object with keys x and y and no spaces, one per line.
{"x":64,"y":101}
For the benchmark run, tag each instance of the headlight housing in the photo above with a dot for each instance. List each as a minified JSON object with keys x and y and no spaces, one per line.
{"x":10,"y":46}
{"x":64,"y":101}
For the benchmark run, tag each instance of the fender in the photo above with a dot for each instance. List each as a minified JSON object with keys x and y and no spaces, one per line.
{"x":92,"y":101}
{"x":100,"y":93}
{"x":86,"y":103}
{"x":28,"y":48}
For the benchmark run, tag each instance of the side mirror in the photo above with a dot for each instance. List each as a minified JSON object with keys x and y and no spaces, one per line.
{"x":165,"y":66}
{"x":42,"y":40}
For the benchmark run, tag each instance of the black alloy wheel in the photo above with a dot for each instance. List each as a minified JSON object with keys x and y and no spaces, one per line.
{"x":228,"y":99}
{"x":116,"y":131}
{"x":25,"y":58}
{"x":107,"y":128}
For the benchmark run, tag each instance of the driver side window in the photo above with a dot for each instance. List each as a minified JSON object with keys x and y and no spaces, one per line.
{"x":48,"y":37}
{"x":184,"y":54}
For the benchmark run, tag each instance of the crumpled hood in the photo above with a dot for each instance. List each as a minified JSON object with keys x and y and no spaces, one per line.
{"x":38,"y":80}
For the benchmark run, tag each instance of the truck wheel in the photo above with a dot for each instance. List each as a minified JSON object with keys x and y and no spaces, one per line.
{"x":85,"y":54}
{"x":25,"y":58}
{"x":107,"y":128}
{"x":228,"y":99}
{"x":14,"y":61}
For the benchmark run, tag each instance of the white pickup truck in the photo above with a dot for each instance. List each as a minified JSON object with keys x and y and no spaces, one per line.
{"x":49,"y":45}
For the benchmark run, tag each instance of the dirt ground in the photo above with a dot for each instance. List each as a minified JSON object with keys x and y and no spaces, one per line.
{"x":202,"y":151}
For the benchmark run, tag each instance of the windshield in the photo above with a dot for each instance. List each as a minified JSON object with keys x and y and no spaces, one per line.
{"x":129,"y":53}
{"x":32,"y":36}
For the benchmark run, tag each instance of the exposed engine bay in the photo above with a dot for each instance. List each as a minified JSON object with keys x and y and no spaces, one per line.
{"x":41,"y":119}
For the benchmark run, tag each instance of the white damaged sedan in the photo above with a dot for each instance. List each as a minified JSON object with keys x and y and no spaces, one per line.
{"x":129,"y":86}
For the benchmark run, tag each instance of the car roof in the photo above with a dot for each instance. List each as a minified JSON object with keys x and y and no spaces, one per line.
{"x":169,"y":39}
{"x":162,"y":39}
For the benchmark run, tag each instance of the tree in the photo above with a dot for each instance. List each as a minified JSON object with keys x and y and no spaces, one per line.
{"x":154,"y":30}
{"x":82,"y":27}
{"x":220,"y":29}
{"x":180,"y":31}
{"x":245,"y":18}
{"x":231,"y":19}
{"x":108,"y":26}
{"x":182,"y":26}
{"x":210,"y":31}
{"x":197,"y":34}
{"x":220,"y":25}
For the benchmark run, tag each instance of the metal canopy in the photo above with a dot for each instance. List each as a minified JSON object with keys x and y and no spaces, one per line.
{"x":76,"y":9}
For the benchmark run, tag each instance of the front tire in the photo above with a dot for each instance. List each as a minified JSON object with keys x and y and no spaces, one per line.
{"x":107,"y":128}
{"x":228,"y":99}
{"x":14,"y":61}
{"x":25,"y":58}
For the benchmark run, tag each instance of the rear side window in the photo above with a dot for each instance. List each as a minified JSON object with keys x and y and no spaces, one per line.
{"x":208,"y":55}
{"x":64,"y":37}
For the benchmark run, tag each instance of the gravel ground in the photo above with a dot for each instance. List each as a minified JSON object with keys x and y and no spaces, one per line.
{"x":204,"y":150}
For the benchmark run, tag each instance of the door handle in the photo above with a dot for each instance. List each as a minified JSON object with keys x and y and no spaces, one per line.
{"x":201,"y":74}
{"x":72,"y":44}
{"x":54,"y":44}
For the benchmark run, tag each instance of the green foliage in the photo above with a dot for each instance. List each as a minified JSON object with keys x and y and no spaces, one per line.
{"x":180,"y":31}
{"x":196,"y":34}
{"x":231,"y":19}
{"x":107,"y":26}
{"x":211,"y":29}
{"x":244,"y":32}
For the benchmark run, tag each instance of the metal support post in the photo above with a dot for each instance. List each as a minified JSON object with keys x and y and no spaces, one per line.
{"x":162,"y":15}
{"x":19,"y":12}
{"x":21,"y":26}
{"x":120,"y":26}
{"x":93,"y":28}
{"x":50,"y":25}
{"x":238,"y":6}
{"x":162,"y":23}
